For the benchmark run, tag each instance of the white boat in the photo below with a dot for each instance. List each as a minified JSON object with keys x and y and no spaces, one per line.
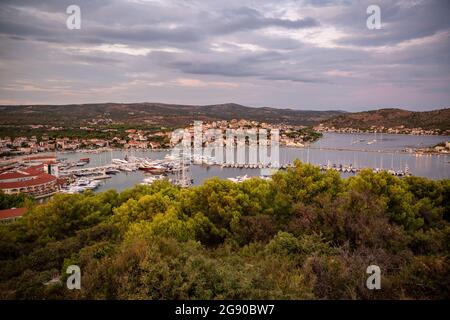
{"x":92,"y":185}
{"x":100,"y":177}
{"x":125,"y":168}
{"x":239,"y":179}
{"x":74,"y":189}
{"x":119,"y":161}
{"x":149,"y":180}
{"x":82,"y":182}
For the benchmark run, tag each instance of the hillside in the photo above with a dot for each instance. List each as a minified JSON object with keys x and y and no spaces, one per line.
{"x":154,"y":113}
{"x":302,"y":235}
{"x":436,"y":119}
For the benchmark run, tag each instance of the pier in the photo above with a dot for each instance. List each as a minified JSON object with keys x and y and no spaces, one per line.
{"x":90,"y":170}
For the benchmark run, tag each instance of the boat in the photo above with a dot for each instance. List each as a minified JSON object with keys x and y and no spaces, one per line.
{"x":119,"y":161}
{"x":82,"y":174}
{"x":112,"y":171}
{"x":73,"y":189}
{"x":155,"y":169}
{"x":85,"y":160}
{"x":92,"y":185}
{"x":149,"y":180}
{"x":239,"y":179}
{"x":82,"y":182}
{"x":100,"y":177}
{"x":125,"y":168}
{"x":81,"y":163}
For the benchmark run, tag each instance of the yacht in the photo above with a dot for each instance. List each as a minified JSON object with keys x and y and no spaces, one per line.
{"x":112,"y":171}
{"x":82,"y":182}
{"x":125,"y":168}
{"x":149,"y":180}
{"x":154,"y":169}
{"x":92,"y":185}
{"x":239,"y":179}
{"x":100,"y":177}
{"x":119,"y":161}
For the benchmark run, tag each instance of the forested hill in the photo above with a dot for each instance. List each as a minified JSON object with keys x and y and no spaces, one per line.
{"x":154,"y":113}
{"x":389,"y":118}
{"x":302,"y":235}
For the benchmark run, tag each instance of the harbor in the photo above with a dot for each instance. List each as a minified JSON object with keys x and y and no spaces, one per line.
{"x":121,"y":169}
{"x":126,"y":168}
{"x":81,"y":177}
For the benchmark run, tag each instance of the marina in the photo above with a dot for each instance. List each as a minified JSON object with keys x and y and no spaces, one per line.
{"x":335,"y":151}
{"x":346,"y":154}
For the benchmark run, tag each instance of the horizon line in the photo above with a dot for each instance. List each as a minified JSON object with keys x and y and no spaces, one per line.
{"x":220,"y":104}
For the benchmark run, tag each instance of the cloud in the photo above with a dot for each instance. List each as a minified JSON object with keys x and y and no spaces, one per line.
{"x":123,"y":49}
{"x":401,"y":21}
{"x":195,"y":83}
{"x":245,"y":18}
{"x":287,"y":53}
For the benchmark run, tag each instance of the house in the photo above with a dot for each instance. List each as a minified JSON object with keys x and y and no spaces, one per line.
{"x":9,"y":215}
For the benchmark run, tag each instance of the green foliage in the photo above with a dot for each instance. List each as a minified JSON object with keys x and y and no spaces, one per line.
{"x":13,"y":201}
{"x":303,"y":235}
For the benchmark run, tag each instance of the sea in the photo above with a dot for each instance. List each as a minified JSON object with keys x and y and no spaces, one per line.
{"x":383,"y":151}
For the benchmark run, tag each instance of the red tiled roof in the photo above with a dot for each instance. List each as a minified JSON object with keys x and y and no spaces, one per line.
{"x":35,"y":170}
{"x":12,"y":213}
{"x":6,"y":168}
{"x":22,"y":173}
{"x":39,"y":179}
{"x":14,"y":175}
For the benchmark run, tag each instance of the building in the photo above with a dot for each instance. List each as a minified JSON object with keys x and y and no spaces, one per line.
{"x":137,"y":144}
{"x":32,"y":181}
{"x":9,"y":215}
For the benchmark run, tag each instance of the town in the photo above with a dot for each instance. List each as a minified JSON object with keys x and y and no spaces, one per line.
{"x":381,"y":129}
{"x":30,"y":165}
{"x":91,"y":139}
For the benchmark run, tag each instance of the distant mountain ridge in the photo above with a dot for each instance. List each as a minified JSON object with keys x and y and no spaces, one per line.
{"x":389,"y":118}
{"x":155,"y":113}
{"x":161,"y":114}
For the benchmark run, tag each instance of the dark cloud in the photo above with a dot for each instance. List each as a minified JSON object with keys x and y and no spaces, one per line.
{"x":281,"y":52}
{"x":245,"y":18}
{"x":401,"y":21}
{"x":215,"y":68}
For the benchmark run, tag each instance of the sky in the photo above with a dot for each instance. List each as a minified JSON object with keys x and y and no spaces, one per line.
{"x":299,"y":54}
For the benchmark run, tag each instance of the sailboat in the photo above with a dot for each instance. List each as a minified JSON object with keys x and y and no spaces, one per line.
{"x":374,"y":140}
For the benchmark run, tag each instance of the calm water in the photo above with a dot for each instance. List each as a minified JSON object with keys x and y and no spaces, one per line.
{"x":384,"y":153}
